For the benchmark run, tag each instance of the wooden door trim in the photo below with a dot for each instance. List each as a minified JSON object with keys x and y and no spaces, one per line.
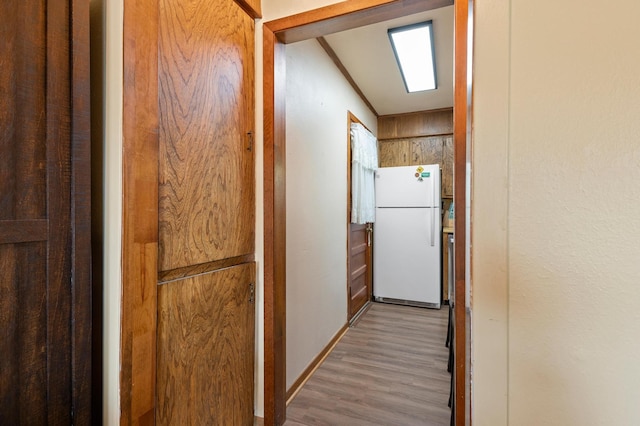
{"x":462,"y":107}
{"x":140,"y":213}
{"x":312,"y":24}
{"x":351,"y":118}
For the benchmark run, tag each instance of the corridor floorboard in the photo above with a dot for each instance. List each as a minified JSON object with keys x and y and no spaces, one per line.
{"x":390,"y":369}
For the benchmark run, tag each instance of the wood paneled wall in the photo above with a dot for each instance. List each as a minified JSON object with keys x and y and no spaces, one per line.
{"x":415,"y":124}
{"x":419,"y":138}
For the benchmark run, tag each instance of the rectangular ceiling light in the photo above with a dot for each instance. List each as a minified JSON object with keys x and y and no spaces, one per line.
{"x":413,"y":48}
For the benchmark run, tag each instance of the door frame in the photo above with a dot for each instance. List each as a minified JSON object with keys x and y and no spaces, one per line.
{"x":312,"y":24}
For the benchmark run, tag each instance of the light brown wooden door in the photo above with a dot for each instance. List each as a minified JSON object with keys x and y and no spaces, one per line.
{"x":359,"y":267}
{"x":206,"y":103}
{"x":205,"y":335}
{"x":45,"y":284}
{"x":206,"y":350}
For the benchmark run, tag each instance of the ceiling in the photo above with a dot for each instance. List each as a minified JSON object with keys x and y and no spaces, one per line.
{"x":367,"y":55}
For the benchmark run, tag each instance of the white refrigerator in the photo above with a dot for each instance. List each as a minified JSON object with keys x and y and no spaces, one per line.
{"x":407,"y":236}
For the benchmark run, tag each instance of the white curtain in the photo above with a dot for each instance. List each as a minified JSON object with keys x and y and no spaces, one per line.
{"x":364,"y":161}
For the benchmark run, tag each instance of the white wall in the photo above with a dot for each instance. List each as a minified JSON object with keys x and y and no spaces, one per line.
{"x":557,"y":94}
{"x":318,"y":98}
{"x":110,"y":13}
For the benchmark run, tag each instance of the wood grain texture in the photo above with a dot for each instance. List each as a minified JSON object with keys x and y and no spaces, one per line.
{"x":447,"y":167}
{"x":82,"y":290}
{"x":390,"y":369}
{"x":140,"y":213}
{"x":23,"y":313}
{"x":416,"y":124}
{"x":427,"y":150}
{"x":206,"y":97}
{"x":206,"y":349}
{"x":203,"y":268}
{"x":394,"y":153}
{"x":45,"y":377}
{"x":347,"y":15}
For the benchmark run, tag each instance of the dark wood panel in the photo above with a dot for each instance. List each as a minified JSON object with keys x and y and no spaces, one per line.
{"x":44,"y":222}
{"x":206,"y":349}
{"x":82,"y":290}
{"x":23,"y":231}
{"x":389,"y":369}
{"x":347,"y":15}
{"x":23,"y":335}
{"x":426,"y":150}
{"x":206,"y":170}
{"x":394,"y":153}
{"x":22,"y":110}
{"x":416,"y":124}
{"x":140,"y":213}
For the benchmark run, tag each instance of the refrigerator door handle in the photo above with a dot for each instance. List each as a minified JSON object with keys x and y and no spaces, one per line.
{"x":433,"y":226}
{"x":433,"y":206}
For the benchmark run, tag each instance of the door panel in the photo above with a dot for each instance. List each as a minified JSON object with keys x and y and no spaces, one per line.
{"x":206,"y":68}
{"x":359,"y":268}
{"x":45,"y":286}
{"x":394,"y":153}
{"x":426,"y":150}
{"x":206,"y":349}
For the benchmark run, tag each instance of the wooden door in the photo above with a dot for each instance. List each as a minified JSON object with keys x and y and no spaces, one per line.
{"x":205,"y":339}
{"x":206,"y":350}
{"x":360,"y":272}
{"x":206,"y":104}
{"x":45,"y":284}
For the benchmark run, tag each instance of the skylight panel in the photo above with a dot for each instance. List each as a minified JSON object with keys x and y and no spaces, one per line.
{"x":413,"y":48}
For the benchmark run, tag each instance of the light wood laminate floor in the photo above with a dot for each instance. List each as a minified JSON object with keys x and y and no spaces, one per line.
{"x":390,"y":369}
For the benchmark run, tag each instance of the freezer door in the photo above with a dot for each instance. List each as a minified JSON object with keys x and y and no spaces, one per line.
{"x":406,"y":266}
{"x":400,"y":187}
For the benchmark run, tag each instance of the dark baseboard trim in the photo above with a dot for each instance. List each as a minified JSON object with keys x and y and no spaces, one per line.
{"x":313,"y":366}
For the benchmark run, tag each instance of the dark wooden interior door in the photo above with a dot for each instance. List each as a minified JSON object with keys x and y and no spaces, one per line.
{"x":45,"y":285}
{"x":359,"y":267}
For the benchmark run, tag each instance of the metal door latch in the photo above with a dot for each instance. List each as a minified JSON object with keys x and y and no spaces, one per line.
{"x":252,"y":293}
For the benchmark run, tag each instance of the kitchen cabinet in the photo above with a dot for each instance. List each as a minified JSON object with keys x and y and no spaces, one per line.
{"x":394,"y":153}
{"x":421,"y":150}
{"x":447,"y":167}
